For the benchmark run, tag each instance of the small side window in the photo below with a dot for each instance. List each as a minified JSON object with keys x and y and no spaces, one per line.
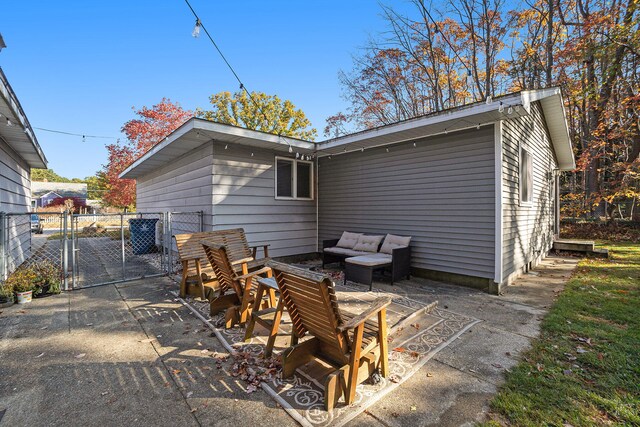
{"x":294,"y":179}
{"x":526,"y":176}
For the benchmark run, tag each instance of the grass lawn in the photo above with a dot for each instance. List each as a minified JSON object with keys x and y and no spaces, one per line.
{"x":112,"y":234}
{"x":584,"y":369}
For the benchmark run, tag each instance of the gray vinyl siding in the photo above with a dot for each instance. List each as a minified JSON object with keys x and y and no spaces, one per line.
{"x":15,"y":182}
{"x":527,"y":230}
{"x":440,"y":192}
{"x":15,"y":197}
{"x":181,"y":186}
{"x":244,"y":196}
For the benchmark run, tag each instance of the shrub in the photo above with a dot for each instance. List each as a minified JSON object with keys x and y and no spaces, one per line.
{"x":47,"y":273}
{"x":36,"y":277}
{"x":6,"y":293}
{"x":23,"y":279}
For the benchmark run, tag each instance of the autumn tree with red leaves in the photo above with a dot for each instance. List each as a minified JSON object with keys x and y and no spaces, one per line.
{"x":445,"y":54}
{"x":152,"y":126}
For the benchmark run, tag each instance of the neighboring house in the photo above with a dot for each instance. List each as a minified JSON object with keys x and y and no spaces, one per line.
{"x":45,"y":192}
{"x":19,"y":152}
{"x":475,"y":186}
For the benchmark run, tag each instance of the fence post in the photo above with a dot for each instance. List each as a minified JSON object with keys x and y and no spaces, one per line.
{"x":3,"y":255}
{"x":124,"y":267}
{"x":65,"y":250}
{"x":169,"y":243}
{"x":201,"y":213}
{"x":75,"y":270}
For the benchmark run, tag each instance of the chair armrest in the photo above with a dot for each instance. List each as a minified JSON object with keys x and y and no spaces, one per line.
{"x":190,"y":258}
{"x":254,"y":273}
{"x":373,"y":309}
{"x":241,"y":261}
{"x":401,"y":253}
{"x":265,"y":250}
{"x":329,"y":243}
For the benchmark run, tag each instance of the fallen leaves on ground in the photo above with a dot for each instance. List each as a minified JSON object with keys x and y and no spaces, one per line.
{"x":254,"y":370}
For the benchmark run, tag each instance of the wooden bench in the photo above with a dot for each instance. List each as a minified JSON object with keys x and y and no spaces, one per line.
{"x":197,"y":270}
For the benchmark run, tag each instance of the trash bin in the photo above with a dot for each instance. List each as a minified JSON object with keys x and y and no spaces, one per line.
{"x":143,"y":235}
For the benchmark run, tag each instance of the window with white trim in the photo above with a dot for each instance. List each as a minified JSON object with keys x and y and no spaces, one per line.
{"x":294,"y":179}
{"x":526,"y":176}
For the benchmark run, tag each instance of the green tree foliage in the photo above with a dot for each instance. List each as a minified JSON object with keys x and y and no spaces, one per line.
{"x":268,"y":114}
{"x":96,"y":186}
{"x":48,"y":175}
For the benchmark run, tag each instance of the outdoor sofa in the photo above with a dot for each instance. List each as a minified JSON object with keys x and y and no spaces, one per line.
{"x":363,"y":254}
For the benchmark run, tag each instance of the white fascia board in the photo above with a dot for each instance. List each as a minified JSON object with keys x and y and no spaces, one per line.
{"x":183,"y":129}
{"x":559,"y":128}
{"x":445,"y":116}
{"x":27,"y":139}
{"x":206,"y":125}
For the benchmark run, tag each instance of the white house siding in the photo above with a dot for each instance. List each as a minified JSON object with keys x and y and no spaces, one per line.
{"x":527,"y":230}
{"x":183,"y":185}
{"x":244,"y":196}
{"x":15,"y":193}
{"x":440,"y":192}
{"x":15,"y":197}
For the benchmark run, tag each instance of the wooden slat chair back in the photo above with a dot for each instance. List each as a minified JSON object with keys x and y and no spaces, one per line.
{"x":219,"y":260}
{"x":313,"y":307}
{"x":355,"y":345}
{"x":243,"y":284}
{"x":194,"y":260}
{"x":194,"y":263}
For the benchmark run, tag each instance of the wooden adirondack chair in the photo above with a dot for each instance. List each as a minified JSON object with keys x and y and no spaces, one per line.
{"x":355,"y":345}
{"x":243,"y":285}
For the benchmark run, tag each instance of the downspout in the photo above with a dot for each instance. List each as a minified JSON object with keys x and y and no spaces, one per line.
{"x":556,"y":213}
{"x":498,"y":261}
{"x":317,"y":204}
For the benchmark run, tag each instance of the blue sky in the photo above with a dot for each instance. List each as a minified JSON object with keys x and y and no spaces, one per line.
{"x":81,"y":66}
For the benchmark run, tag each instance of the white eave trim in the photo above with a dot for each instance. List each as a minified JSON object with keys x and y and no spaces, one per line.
{"x":460,"y":118}
{"x":25,"y":143}
{"x":433,"y":119}
{"x":217,"y":131}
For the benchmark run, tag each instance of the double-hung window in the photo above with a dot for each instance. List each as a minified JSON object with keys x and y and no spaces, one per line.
{"x":294,"y":179}
{"x":526,"y":177}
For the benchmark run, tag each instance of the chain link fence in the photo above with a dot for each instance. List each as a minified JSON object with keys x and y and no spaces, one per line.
{"x":94,"y":249}
{"x":181,"y":223}
{"x":23,"y":241}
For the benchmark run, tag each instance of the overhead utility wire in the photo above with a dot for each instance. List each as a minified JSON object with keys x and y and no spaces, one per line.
{"x":76,"y":134}
{"x":444,"y":37}
{"x":242,"y":86}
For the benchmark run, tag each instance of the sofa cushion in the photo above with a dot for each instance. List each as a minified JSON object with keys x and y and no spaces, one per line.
{"x":348,"y":240}
{"x":368,"y":243}
{"x":371,"y":260}
{"x":344,"y":251}
{"x":393,"y":242}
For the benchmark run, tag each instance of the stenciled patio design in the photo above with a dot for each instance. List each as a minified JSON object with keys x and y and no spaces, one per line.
{"x":417,"y":331}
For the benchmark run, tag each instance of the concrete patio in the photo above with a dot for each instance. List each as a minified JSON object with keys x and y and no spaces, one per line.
{"x":132,"y":354}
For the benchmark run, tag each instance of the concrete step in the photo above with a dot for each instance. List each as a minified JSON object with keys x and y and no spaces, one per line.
{"x":574,"y":245}
{"x":582,"y":246}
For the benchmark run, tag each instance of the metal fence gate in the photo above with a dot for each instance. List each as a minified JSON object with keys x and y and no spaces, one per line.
{"x":94,"y":249}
